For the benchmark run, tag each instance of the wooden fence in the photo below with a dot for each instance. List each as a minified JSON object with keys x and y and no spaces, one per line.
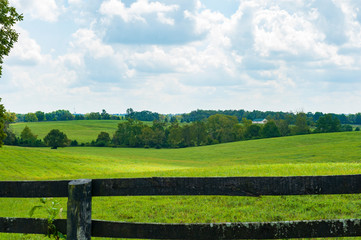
{"x":80,"y":226}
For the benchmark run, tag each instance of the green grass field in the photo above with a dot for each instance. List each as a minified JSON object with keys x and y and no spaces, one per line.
{"x":318,"y":154}
{"x":81,"y":130}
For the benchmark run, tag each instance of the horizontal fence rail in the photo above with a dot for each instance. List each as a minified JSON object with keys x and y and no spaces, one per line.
{"x":79,"y":224}
{"x":251,"y":230}
{"x":231,"y":186}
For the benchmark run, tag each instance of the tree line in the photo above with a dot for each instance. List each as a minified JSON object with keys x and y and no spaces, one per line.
{"x":64,"y":115}
{"x":312,"y":118}
{"x":216,"y":129}
{"x":197,"y":115}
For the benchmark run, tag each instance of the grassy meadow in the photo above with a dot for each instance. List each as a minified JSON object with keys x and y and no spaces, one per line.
{"x":318,"y":154}
{"x":81,"y":130}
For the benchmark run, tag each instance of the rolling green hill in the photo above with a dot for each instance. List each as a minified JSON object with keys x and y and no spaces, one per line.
{"x":303,"y":155}
{"x":317,"y":154}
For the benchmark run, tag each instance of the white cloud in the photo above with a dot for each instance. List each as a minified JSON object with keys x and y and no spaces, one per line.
{"x":137,"y":10}
{"x":278,"y":31}
{"x":351,"y":10}
{"x":26,"y":51}
{"x":46,"y":10}
{"x":75,"y":2}
{"x":87,"y":40}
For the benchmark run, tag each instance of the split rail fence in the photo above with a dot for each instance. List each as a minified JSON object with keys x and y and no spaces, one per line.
{"x":80,"y":226}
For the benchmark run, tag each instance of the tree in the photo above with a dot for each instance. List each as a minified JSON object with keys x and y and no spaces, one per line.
{"x":270,"y":130}
{"x":199,"y":133}
{"x":130,"y":113}
{"x":128,"y":133}
{"x":222,"y":128}
{"x":104,"y":115}
{"x":56,"y":139}
{"x":11,"y":138}
{"x":40,"y":115}
{"x":346,"y":128}
{"x":93,"y":116}
{"x":31,"y":117}
{"x":8,"y":35}
{"x":328,"y":123}
{"x":253,"y":131}
{"x":103,"y":139}
{"x":2,"y":124}
{"x":175,"y":136}
{"x":301,"y":126}
{"x":27,"y":137}
{"x":283,"y":127}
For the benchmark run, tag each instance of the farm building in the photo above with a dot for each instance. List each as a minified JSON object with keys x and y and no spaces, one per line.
{"x":259,"y":121}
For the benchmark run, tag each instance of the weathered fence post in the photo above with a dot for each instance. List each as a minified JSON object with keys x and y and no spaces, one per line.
{"x":79,"y":210}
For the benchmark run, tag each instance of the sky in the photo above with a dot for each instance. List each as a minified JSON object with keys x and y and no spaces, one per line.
{"x":178,"y":56}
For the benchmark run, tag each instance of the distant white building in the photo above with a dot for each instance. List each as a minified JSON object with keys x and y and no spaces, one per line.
{"x":259,"y":121}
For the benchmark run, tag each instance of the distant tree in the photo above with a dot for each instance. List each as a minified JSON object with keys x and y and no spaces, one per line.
{"x":114,"y":117}
{"x":253,"y":131}
{"x":317,"y":116}
{"x":128,"y":134}
{"x":357,"y":129}
{"x":103,"y":139}
{"x":40,"y":115}
{"x":357,"y":118}
{"x":175,"y":136}
{"x":222,"y":127}
{"x":27,"y":137}
{"x":130,"y":113}
{"x":104,"y":115}
{"x":59,"y":115}
{"x":173,"y":119}
{"x":31,"y":117}
{"x":346,"y":128}
{"x":301,"y":126}
{"x":283,"y":127}
{"x":55,"y":139}
{"x":270,"y":130}
{"x":79,"y":117}
{"x":159,"y":138}
{"x":187,"y":136}
{"x":93,"y":116}
{"x":328,"y":123}
{"x":20,"y":117}
{"x":147,"y":136}
{"x":199,"y":134}
{"x":74,"y":143}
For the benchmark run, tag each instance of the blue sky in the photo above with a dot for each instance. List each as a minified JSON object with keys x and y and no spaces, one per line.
{"x":179,"y":56}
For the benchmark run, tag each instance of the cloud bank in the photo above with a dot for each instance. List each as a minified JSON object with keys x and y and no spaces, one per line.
{"x":174,"y":57}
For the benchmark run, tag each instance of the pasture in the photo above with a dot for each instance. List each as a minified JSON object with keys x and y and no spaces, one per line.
{"x":81,"y":130}
{"x":318,"y":154}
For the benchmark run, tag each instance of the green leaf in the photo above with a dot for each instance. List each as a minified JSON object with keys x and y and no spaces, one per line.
{"x":31,"y":212}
